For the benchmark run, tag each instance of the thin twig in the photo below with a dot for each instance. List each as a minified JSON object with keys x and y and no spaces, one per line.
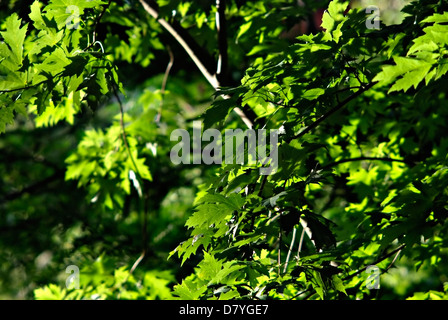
{"x":375,"y":262}
{"x":31,"y":86}
{"x":393,"y":261}
{"x":165,"y":80}
{"x":300,"y":243}
{"x":155,"y":14}
{"x":365,"y":159}
{"x":398,"y":250}
{"x":221,"y":26}
{"x":294,"y":231}
{"x":144,"y":238}
{"x":330,"y":112}
{"x":168,"y":68}
{"x":302,"y":292}
{"x":279,"y":255}
{"x":97,"y":21}
{"x":137,"y":262}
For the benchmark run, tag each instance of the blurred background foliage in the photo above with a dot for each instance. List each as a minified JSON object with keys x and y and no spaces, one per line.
{"x":46,"y":223}
{"x":390,"y":10}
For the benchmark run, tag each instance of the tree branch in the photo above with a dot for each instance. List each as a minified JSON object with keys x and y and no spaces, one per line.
{"x":329,"y":113}
{"x":168,"y":69}
{"x":365,"y":158}
{"x":193,"y":50}
{"x":300,"y":243}
{"x":221,"y":26}
{"x":376,"y":262}
{"x":37,"y":186}
{"x":176,"y":33}
{"x":165,"y":80}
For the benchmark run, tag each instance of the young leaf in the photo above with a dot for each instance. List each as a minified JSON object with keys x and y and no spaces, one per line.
{"x":14,"y":36}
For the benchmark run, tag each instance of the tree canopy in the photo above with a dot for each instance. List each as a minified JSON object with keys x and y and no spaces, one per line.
{"x":91,"y":92}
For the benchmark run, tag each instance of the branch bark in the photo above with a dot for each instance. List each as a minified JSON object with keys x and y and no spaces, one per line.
{"x":193,"y":50}
{"x":221,"y":26}
{"x":188,"y":47}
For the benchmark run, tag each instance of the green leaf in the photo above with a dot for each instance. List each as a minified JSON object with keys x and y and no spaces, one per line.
{"x":209,"y":214}
{"x":437,"y":17}
{"x":218,"y":112}
{"x":50,"y":292}
{"x":318,"y":283}
{"x":36,"y":16}
{"x":55,"y":63}
{"x":67,"y":13}
{"x":338,"y":284}
{"x":209,"y":266}
{"x":243,"y":29}
{"x":14,"y":36}
{"x":188,"y":290}
{"x":337,"y":33}
{"x":333,"y":15}
{"x":412,"y":70}
{"x":233,"y":201}
{"x":54,"y":114}
{"x":313,"y":94}
{"x":412,"y":78}
{"x":327,"y":22}
{"x":321,"y":232}
{"x":6,"y":117}
{"x":442,"y":68}
{"x":47,"y":40}
{"x":227,"y":274}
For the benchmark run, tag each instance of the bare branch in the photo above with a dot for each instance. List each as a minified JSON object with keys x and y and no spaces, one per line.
{"x":300,"y":243}
{"x":35,"y":187}
{"x":165,"y":79}
{"x":154,"y":13}
{"x":221,"y":26}
{"x":168,"y":69}
{"x":188,"y":47}
{"x":294,"y":231}
{"x":376,"y":262}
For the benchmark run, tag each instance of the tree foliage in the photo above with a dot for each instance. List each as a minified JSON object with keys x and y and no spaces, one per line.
{"x":362,"y":174}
